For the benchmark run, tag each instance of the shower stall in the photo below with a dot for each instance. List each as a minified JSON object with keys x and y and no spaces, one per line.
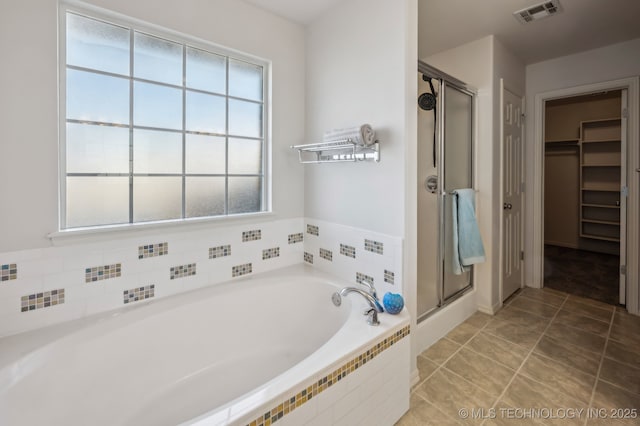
{"x":446,"y":108}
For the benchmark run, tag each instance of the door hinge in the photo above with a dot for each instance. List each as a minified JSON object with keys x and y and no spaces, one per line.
{"x":625,"y":113}
{"x":623,"y":269}
{"x":624,"y":191}
{"x":522,"y":255}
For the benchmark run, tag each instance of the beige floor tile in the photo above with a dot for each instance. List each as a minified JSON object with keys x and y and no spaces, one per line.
{"x":462,"y":333}
{"x":592,"y":302}
{"x":441,"y":350}
{"x":425,"y":367}
{"x":560,"y":377}
{"x":623,"y":353}
{"x":548,"y":296}
{"x":526,"y":394}
{"x":518,"y":316}
{"x":610,"y":396}
{"x":626,"y":329}
{"x":582,"y":322}
{"x":498,"y":349}
{"x":568,"y":354}
{"x":596,"y":312}
{"x":422,"y":413}
{"x":505,"y":415}
{"x":524,"y":335}
{"x":534,"y":306}
{"x":481,"y":371}
{"x":621,"y":375}
{"x":478,"y":319}
{"x":586,"y":340}
{"x":450,"y":393}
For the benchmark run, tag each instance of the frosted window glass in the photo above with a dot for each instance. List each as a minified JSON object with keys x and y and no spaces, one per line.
{"x":206,"y":71}
{"x":157,"y":59}
{"x":245,"y":80}
{"x":96,"y":97}
{"x":245,"y":156}
{"x":204,"y":196}
{"x":97,"y":149}
{"x":157,"y":198}
{"x":205,"y":154}
{"x":95,"y":201}
{"x":245,"y":194}
{"x":157,"y":152}
{"x":157,"y":106}
{"x":97,"y":45}
{"x":245,"y":118}
{"x":205,"y":113}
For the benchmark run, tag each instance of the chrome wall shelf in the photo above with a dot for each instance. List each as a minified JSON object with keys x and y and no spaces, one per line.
{"x":337,"y":151}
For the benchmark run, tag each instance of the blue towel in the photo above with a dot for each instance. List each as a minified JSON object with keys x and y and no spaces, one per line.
{"x":467,"y":243}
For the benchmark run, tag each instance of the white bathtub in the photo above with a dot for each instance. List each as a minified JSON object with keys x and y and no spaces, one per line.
{"x":218,"y":355}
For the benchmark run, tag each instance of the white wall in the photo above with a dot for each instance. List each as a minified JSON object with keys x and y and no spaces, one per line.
{"x":356,"y":73}
{"x":599,"y":65}
{"x":29,"y":103}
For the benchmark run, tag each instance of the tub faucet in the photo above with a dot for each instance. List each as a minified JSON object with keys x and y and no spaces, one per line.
{"x":371,"y":313}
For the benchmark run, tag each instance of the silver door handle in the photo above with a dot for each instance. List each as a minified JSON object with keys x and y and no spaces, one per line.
{"x":507,"y":206}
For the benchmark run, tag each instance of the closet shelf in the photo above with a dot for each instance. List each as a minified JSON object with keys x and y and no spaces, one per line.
{"x":337,"y":151}
{"x":600,"y":237}
{"x":601,"y":141}
{"x":562,"y":141}
{"x":601,"y":222}
{"x":600,"y":165}
{"x":600,"y":206}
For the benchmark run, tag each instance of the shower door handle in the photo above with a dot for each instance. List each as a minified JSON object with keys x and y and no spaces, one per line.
{"x":431,"y":184}
{"x":507,"y":206}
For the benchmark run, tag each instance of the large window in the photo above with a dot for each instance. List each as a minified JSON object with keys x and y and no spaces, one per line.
{"x":157,"y":128}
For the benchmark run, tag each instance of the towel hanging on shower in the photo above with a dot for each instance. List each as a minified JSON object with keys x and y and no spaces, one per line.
{"x":467,"y":242}
{"x":362,"y":135}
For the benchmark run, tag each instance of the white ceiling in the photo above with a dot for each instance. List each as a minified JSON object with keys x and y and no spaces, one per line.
{"x":443,"y":24}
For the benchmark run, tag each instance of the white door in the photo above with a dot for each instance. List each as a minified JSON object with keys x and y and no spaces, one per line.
{"x":512,"y":179}
{"x":623,"y":198}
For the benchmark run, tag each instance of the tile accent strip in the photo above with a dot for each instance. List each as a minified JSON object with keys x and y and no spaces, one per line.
{"x":153,"y":250}
{"x":360,"y":277}
{"x":239,"y":270}
{"x":254,"y":235}
{"x":296,"y":238}
{"x":313,"y":230}
{"x":220,"y":251}
{"x":348,"y":251}
{"x":139,"y":293}
{"x":98,"y":273}
{"x":374,"y":246}
{"x":326,"y":254}
{"x":41,"y":300}
{"x":308,"y":257}
{"x":389,"y":277}
{"x":296,"y":400}
{"x":270,"y":253}
{"x":8,"y":272}
{"x":182,"y":271}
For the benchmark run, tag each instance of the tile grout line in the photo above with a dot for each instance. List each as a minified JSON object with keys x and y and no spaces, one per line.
{"x":438,"y":409}
{"x":604,"y":351}
{"x":526,"y":358}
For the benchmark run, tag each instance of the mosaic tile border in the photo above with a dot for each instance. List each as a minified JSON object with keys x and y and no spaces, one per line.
{"x":182,"y":271}
{"x":313,"y":230}
{"x":389,"y":277}
{"x":220,"y":251}
{"x":348,"y":251}
{"x":99,"y":273}
{"x":308,"y":258}
{"x":306,"y":394}
{"x":270,"y":253}
{"x":31,"y":302}
{"x":153,"y":250}
{"x":374,"y":246}
{"x":240,"y":270}
{"x":326,"y":254}
{"x":253,"y":235}
{"x":295,"y":238}
{"x":9,"y":272}
{"x":140,"y":293}
{"x":363,"y":277}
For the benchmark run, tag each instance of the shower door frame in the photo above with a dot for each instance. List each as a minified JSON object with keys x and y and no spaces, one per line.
{"x":448,"y":81}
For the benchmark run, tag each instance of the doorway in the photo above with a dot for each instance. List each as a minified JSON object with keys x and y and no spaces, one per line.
{"x":585,"y":195}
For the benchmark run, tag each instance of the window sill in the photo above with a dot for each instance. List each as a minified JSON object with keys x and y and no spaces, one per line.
{"x":109,"y":232}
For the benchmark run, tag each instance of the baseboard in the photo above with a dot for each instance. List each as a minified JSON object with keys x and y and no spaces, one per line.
{"x":490,"y":310}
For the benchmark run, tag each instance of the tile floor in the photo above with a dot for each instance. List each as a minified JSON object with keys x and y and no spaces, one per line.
{"x":545,"y":350}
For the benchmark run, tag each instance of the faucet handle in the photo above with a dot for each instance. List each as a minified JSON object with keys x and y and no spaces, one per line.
{"x":372,"y":315}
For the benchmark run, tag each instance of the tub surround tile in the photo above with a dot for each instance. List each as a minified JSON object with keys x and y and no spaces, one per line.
{"x":295,"y":238}
{"x":313,"y":230}
{"x":182,"y":271}
{"x":8,"y":272}
{"x":389,"y":277}
{"x":219,"y":251}
{"x":308,"y":258}
{"x":480,"y":370}
{"x":240,"y":270}
{"x":326,"y":254}
{"x":31,"y":302}
{"x":270,"y":253}
{"x":347,"y":250}
{"x":99,"y":273}
{"x":137,"y":294}
{"x":360,"y":277}
{"x":253,"y":235}
{"x":374,"y":246}
{"x":153,"y":250}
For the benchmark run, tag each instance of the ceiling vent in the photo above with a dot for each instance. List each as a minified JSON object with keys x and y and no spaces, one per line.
{"x":538,"y":11}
